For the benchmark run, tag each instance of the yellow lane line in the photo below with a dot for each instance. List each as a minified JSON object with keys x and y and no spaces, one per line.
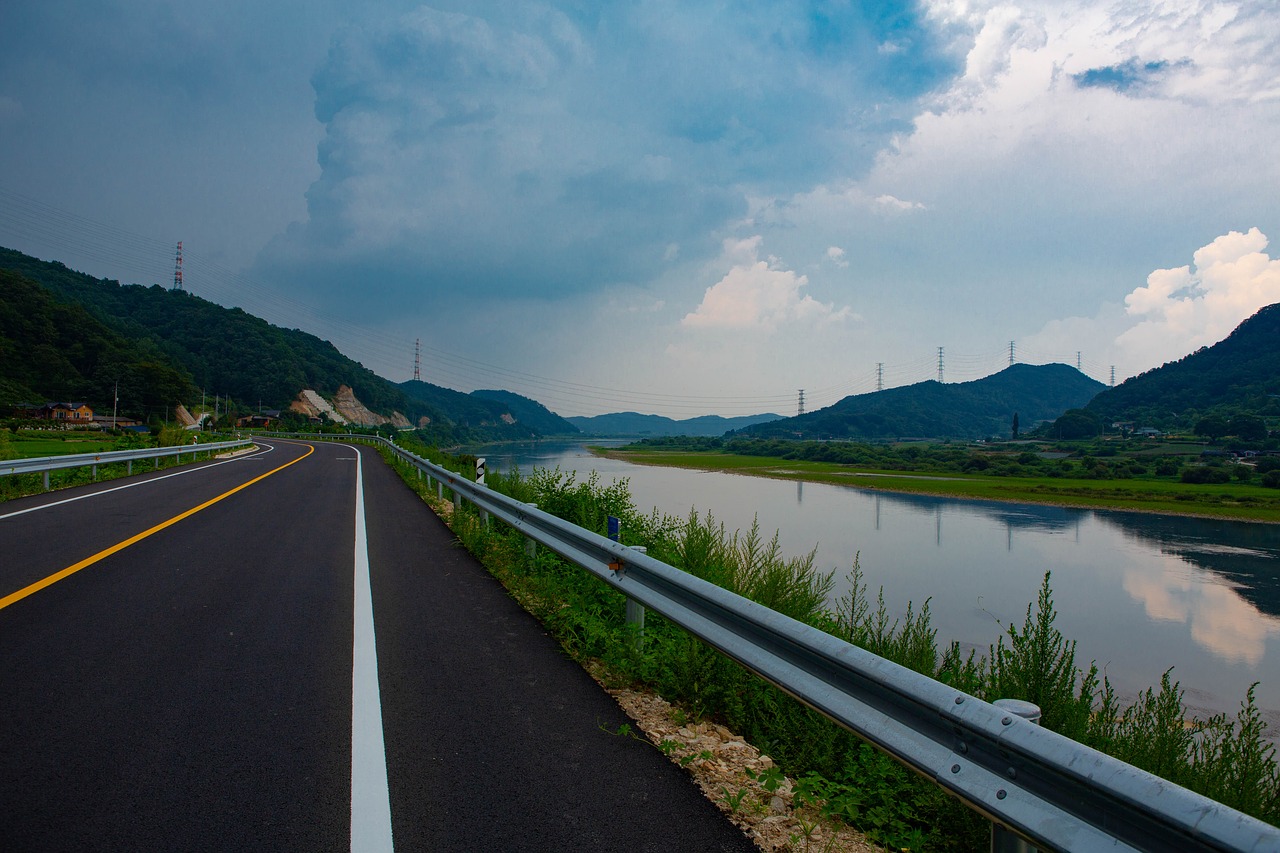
{"x":101,"y":555}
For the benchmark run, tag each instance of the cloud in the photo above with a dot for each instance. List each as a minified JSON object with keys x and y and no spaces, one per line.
{"x":836,"y":256}
{"x":1177,"y":311}
{"x":759,"y":295}
{"x":555,"y":150}
{"x":1182,"y":309}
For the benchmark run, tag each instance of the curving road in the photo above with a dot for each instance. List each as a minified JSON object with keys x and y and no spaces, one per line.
{"x":188,"y":662}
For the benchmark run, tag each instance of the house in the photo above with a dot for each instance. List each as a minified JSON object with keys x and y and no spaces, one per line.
{"x":262,"y":421}
{"x":65,"y":413}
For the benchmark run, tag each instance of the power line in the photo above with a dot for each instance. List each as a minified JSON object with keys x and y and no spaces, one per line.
{"x":144,"y":258}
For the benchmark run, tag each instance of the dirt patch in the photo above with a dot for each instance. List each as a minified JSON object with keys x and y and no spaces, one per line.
{"x":729,"y":770}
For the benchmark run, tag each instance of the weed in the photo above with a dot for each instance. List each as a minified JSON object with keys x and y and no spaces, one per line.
{"x":734,"y":801}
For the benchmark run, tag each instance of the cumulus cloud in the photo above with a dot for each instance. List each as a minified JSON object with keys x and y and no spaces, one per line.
{"x":549,"y":151}
{"x":1182,"y":309}
{"x":759,"y":295}
{"x":836,"y":256}
{"x":1081,"y":144}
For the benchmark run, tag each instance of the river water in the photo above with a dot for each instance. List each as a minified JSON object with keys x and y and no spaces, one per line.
{"x":1140,"y":593}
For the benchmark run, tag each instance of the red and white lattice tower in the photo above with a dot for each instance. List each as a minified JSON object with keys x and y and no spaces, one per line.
{"x":177,"y":268}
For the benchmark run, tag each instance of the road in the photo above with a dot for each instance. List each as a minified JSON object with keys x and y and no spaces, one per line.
{"x":285,"y":651}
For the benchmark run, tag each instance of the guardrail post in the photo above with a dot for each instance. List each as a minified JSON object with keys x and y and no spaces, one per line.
{"x":1002,"y":840}
{"x":129,"y":466}
{"x":440,"y":488}
{"x":635,"y":610}
{"x":46,"y":481}
{"x":531,"y":544}
{"x":95,"y":473}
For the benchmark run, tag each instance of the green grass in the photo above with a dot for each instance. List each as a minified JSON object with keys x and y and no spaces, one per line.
{"x":1228,"y":500}
{"x":27,"y":446}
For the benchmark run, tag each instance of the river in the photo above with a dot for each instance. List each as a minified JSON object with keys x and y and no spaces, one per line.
{"x":1139,"y":593}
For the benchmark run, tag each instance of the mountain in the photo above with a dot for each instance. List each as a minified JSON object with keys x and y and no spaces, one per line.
{"x":531,"y":413}
{"x":1240,"y":374}
{"x":54,"y":350}
{"x":491,"y":419}
{"x":635,"y":424}
{"x":225,"y":351}
{"x":964,"y":410}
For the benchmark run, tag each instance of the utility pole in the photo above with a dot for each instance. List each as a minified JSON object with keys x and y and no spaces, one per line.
{"x":939,"y":365}
{"x":115,"y":404}
{"x":879,"y":375}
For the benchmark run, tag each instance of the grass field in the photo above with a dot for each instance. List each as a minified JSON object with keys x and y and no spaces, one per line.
{"x":28,"y":446}
{"x":1228,"y":500}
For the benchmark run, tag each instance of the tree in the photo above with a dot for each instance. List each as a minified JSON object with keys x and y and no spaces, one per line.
{"x":1212,"y":427}
{"x":1077,"y":423}
{"x":1247,"y":427}
{"x":1015,"y":425}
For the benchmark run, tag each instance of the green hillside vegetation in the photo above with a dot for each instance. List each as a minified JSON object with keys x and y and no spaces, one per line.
{"x":478,"y":418}
{"x":70,"y":335}
{"x":964,"y":410}
{"x":636,"y":424}
{"x":529,"y":412}
{"x":1239,"y":375}
{"x":225,"y":350}
{"x":51,"y":349}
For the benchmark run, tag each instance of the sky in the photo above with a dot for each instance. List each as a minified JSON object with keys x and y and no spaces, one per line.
{"x":672,"y":208}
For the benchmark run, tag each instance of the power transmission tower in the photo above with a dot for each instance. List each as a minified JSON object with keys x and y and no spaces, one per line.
{"x":177,"y":268}
{"x":939,"y":365}
{"x":1077,"y":359}
{"x":1011,"y":357}
{"x":879,"y":375}
{"x":801,"y":404}
{"x":417,"y":360}
{"x":1113,"y":376}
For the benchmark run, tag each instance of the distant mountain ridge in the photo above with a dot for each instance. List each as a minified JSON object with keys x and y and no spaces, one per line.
{"x":1239,"y":374}
{"x":635,"y":424}
{"x":933,"y":410}
{"x":529,"y":412}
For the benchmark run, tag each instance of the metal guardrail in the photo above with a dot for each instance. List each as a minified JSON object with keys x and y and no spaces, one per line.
{"x":1045,"y":788}
{"x":45,"y":464}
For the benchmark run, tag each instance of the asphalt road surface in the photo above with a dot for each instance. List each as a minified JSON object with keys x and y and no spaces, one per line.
{"x":188,"y":662}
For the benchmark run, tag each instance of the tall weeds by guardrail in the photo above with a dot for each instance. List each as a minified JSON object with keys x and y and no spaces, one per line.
{"x":1228,"y":759}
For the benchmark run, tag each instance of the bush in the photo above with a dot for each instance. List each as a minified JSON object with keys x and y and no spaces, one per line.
{"x":1201,"y":474}
{"x":1271,"y":479}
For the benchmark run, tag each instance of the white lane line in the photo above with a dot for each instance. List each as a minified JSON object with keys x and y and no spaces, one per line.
{"x":267,"y":450}
{"x":370,"y":796}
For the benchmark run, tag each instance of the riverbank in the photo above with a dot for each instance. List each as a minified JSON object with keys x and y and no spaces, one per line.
{"x":1236,"y":501}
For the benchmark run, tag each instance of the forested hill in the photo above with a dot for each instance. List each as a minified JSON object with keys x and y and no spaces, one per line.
{"x":967,"y":410}
{"x":499,"y":415}
{"x":1238,"y":375}
{"x":53,"y":350}
{"x":636,"y":424}
{"x":531,"y":413}
{"x":225,"y":351}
